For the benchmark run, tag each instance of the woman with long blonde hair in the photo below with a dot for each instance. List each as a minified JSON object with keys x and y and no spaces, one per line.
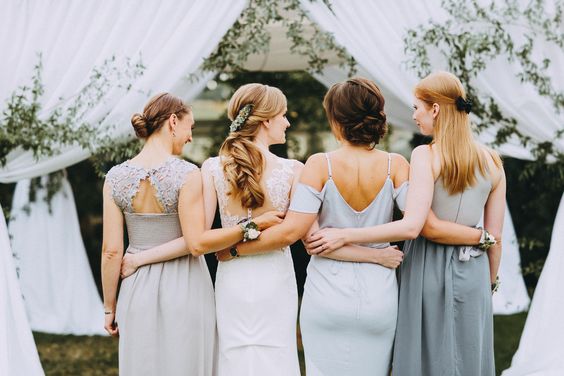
{"x":445,"y":322}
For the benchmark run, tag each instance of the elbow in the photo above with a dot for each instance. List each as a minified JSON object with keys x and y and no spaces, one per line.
{"x":412,"y":232}
{"x":196,"y":249}
{"x":111,"y":252}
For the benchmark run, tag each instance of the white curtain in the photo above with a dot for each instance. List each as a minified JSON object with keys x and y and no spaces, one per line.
{"x":171,"y":37}
{"x":373,"y":34}
{"x":59,"y":292}
{"x":18,"y":355}
{"x":512,"y":296}
{"x":541,"y":347}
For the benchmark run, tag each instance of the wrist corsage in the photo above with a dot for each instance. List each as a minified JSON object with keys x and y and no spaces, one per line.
{"x":250,"y":230}
{"x":486,"y":240}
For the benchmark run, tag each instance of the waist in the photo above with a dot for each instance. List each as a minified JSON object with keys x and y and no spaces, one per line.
{"x":150,"y":230}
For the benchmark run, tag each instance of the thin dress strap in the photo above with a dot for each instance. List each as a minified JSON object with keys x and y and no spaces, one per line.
{"x":389,"y":163}
{"x":329,"y":165}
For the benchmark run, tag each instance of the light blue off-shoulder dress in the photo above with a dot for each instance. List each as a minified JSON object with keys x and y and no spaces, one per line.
{"x":349,"y":309}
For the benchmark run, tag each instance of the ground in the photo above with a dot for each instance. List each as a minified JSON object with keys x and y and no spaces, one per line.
{"x":89,"y":356}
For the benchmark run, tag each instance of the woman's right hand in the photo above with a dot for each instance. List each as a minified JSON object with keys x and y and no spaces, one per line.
{"x":110,"y":324}
{"x":389,"y":257}
{"x":269,"y":219}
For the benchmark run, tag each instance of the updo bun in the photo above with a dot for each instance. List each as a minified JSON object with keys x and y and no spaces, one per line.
{"x":156,"y":112}
{"x":355,"y":108}
{"x":140,"y":125}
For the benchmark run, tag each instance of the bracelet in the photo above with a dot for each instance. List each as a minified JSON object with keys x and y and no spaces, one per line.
{"x":495,"y":285}
{"x":108,"y":312}
{"x":233,"y":252}
{"x":486,"y":240}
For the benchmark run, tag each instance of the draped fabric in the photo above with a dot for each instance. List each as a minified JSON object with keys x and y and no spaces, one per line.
{"x":59,"y":292}
{"x":542,"y":341}
{"x":18,"y":355}
{"x":171,"y":38}
{"x":373,"y":34}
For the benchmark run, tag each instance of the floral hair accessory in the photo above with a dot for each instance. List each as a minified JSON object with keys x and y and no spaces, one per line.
{"x":241,"y":118}
{"x":463,"y":105}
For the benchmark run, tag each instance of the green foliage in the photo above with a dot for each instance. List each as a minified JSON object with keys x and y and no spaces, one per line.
{"x":475,"y":35}
{"x":28,"y":126}
{"x":249,"y":35}
{"x":472,"y":37}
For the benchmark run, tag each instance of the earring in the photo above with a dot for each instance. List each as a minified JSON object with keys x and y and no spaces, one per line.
{"x":173,"y":134}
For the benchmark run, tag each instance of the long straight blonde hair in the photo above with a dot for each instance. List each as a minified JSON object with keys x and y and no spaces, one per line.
{"x":460,"y":155}
{"x":243,"y":162}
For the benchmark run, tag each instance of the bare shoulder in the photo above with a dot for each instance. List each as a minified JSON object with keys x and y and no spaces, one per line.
{"x":315,"y":171}
{"x":297,"y":166}
{"x":422,"y":151}
{"x":399,"y":161}
{"x":494,"y":164}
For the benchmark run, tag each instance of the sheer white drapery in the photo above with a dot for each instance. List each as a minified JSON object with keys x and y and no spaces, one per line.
{"x":373,"y":34}
{"x":18,"y":355}
{"x":171,"y":38}
{"x":542,"y":341}
{"x":59,"y":292}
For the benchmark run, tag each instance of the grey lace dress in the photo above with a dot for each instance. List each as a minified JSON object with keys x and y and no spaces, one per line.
{"x":165,"y":311}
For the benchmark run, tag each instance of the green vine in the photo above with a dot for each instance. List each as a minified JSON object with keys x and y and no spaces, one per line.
{"x":28,"y":126}
{"x":473,"y":36}
{"x":249,"y":35}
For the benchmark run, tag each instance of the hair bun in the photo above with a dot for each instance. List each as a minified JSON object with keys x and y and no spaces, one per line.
{"x":140,"y":125}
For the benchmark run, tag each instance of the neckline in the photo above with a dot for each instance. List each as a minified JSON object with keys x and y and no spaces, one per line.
{"x":154,"y":168}
{"x":367,"y":206}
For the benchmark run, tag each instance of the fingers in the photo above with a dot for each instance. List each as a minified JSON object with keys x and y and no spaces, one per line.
{"x":315,"y":244}
{"x":314,"y":237}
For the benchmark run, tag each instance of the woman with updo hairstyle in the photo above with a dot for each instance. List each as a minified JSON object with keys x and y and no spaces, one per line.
{"x":445,"y":322}
{"x":349,"y":306}
{"x":165,"y":312}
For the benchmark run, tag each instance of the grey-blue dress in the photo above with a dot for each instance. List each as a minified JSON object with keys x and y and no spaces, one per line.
{"x":445,"y":322}
{"x":349,"y":309}
{"x":165,"y":311}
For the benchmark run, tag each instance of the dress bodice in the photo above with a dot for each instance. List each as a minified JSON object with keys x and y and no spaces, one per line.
{"x":167,"y":179}
{"x":465,"y":208}
{"x":278,"y":184}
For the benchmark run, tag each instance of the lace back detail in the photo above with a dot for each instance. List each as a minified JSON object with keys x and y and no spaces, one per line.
{"x":167,"y":179}
{"x":278,"y":186}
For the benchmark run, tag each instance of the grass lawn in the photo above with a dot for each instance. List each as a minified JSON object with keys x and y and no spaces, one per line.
{"x":83,"y":355}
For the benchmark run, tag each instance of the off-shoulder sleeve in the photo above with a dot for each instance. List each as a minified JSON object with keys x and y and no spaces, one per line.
{"x":306,"y":199}
{"x":400,"y":195}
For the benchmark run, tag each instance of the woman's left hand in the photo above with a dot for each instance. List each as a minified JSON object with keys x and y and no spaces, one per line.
{"x":129,"y":265}
{"x":223,"y":255}
{"x":325,"y":241}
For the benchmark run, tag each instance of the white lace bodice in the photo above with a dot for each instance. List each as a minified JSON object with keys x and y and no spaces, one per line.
{"x":278,"y":185}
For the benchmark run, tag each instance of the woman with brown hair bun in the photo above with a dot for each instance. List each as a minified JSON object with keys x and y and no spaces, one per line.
{"x":349,"y":306}
{"x":165,"y":312}
{"x":445,"y":322}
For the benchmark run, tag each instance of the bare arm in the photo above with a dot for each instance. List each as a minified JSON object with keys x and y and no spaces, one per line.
{"x":112,"y":253}
{"x":494,"y":213}
{"x":445,"y":232}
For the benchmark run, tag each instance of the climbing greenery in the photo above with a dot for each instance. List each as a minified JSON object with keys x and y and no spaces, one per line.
{"x":249,"y":35}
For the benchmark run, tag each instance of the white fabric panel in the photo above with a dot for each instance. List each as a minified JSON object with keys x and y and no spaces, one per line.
{"x":171,"y":37}
{"x":59,"y":292}
{"x":542,"y":341}
{"x":374,"y":34}
{"x":512,"y":295}
{"x":18,"y":355}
